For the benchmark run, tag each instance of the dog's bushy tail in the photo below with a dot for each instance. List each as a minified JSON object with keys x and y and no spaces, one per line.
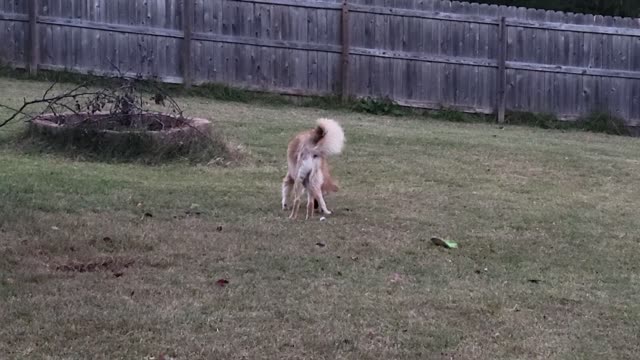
{"x":330,"y":137}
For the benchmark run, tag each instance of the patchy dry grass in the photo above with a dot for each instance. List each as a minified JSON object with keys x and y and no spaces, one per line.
{"x":546,"y":221}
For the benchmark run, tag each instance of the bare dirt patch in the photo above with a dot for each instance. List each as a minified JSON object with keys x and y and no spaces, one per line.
{"x":113,"y":265}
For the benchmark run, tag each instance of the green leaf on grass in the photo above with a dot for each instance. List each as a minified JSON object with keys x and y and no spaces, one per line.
{"x":444,"y":243}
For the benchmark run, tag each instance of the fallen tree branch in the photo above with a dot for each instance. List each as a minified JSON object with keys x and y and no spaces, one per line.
{"x":120,"y":98}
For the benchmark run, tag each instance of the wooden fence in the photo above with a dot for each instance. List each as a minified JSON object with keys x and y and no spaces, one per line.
{"x":423,"y":53}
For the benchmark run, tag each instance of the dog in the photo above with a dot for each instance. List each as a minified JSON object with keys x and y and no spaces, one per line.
{"x":308,"y":168}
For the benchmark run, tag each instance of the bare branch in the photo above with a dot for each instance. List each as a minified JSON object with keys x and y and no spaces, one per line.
{"x":121,"y":99}
{"x":49,"y":89}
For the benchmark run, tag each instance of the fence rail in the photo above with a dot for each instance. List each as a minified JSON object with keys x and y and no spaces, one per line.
{"x":423,"y":53}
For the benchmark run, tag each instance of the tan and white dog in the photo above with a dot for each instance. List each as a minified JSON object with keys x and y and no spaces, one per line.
{"x":308,"y":168}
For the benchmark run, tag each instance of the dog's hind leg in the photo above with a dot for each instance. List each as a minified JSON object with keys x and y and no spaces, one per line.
{"x":287,"y":184}
{"x":316,"y":192}
{"x":323,"y":205}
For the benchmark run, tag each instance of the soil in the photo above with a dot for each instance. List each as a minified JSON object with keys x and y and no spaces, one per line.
{"x":119,"y":122}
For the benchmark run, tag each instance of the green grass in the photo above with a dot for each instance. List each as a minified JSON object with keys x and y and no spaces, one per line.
{"x":546,"y":222}
{"x":599,"y":122}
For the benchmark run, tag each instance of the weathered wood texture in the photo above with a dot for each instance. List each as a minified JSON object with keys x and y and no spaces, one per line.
{"x":425,"y":53}
{"x":14,"y":32}
{"x":33,"y":45}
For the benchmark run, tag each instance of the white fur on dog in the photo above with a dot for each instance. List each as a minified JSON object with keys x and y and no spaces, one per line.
{"x":333,"y":141}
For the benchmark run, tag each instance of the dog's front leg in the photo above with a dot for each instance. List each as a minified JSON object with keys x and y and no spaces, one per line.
{"x":310,"y":205}
{"x":294,"y":208}
{"x":297,"y":194}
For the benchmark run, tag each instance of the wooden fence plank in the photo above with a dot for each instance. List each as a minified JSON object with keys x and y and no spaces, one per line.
{"x":344,"y":57}
{"x":502,"y":77}
{"x":416,"y":52}
{"x":188,"y":15}
{"x":34,"y":38}
{"x":315,"y":4}
{"x":422,"y":14}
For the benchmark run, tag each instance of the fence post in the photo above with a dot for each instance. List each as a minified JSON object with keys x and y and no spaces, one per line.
{"x":344,"y":66}
{"x":33,"y":45}
{"x":188,"y":13}
{"x":502,"y":75}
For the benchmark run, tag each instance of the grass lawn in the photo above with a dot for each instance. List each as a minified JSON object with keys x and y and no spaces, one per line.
{"x":547,"y":268}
